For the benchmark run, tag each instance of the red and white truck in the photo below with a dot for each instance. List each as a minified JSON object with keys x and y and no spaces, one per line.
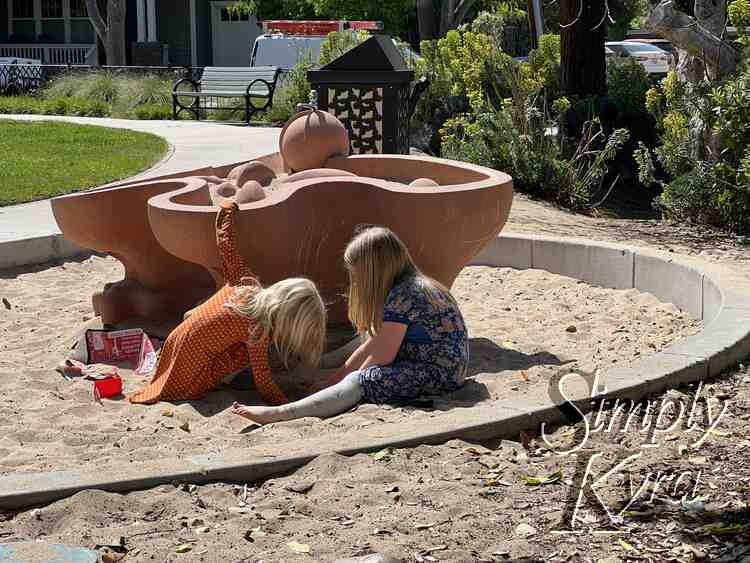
{"x":285,"y":43}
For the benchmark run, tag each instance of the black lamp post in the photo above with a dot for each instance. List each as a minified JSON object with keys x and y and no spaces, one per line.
{"x":368,"y":88}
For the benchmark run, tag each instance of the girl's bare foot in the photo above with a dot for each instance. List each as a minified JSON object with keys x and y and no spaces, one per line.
{"x":259,"y":415}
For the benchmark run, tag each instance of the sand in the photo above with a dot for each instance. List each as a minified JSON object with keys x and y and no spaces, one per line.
{"x":523,"y":325}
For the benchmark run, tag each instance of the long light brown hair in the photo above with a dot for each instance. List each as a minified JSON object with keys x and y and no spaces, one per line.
{"x":291,"y":313}
{"x":376,"y":259}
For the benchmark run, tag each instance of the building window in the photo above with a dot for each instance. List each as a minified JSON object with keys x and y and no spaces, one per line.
{"x":52,"y":9}
{"x":78,"y":9}
{"x":53,"y":24}
{"x":23,"y":9}
{"x":81,"y":30}
{"x":24,"y":26}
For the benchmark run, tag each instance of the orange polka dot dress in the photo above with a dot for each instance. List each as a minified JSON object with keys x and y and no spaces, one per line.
{"x":215,"y":341}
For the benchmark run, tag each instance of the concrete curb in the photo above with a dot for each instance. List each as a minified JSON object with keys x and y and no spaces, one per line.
{"x":714,"y":293}
{"x":38,"y":250}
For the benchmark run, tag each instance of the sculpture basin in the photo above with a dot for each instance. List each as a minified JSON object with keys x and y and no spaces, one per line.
{"x":162,"y":228}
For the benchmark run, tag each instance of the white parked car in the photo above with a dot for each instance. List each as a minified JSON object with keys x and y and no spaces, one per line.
{"x":650,"y":57}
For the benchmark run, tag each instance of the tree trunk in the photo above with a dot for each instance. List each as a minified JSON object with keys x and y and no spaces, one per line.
{"x":701,"y":50}
{"x":426,"y":19}
{"x":536,"y":23}
{"x":111,"y":33}
{"x":702,"y":55}
{"x":584,"y":71}
{"x":434,"y":25}
{"x":116,"y":54}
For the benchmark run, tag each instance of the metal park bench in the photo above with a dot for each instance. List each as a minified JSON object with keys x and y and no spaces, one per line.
{"x":219,"y":83}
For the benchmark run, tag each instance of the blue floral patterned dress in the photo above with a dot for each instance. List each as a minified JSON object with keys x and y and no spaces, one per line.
{"x":434,"y":354}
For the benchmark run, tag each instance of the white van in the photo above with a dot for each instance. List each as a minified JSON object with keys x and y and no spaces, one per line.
{"x":285,"y":51}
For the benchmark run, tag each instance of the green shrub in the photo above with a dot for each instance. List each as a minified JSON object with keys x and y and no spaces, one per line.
{"x":107,"y":93}
{"x":627,"y":84}
{"x":64,"y":86}
{"x":533,"y":157}
{"x":284,"y":106}
{"x":102,"y":86}
{"x":705,"y":135}
{"x":233,"y":110}
{"x":337,"y":43}
{"x":134,"y":92}
{"x":154,"y":111}
{"x":56,"y":106}
{"x":545,"y":65}
{"x":491,"y":24}
{"x":19,"y":105}
{"x":88,"y":108}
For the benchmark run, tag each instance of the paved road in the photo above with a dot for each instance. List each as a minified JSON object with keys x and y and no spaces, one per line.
{"x":194,"y":145}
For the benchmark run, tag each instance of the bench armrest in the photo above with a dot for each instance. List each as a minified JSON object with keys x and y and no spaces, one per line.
{"x":269,"y":97}
{"x":193,"y":83}
{"x":269,"y":85}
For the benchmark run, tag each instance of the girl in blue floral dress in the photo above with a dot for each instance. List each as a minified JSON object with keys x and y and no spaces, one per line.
{"x":414,"y":340}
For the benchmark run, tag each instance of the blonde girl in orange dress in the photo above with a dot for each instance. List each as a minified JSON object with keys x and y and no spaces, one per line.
{"x":232,"y":331}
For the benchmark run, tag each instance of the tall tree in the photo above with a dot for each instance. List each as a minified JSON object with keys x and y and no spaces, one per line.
{"x":435,"y":23}
{"x":584,"y":70}
{"x":112,"y":31}
{"x":702,"y":51}
{"x":702,"y":54}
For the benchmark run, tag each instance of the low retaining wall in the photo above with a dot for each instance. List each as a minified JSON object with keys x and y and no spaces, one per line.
{"x":38,"y":250}
{"x":710,"y":292}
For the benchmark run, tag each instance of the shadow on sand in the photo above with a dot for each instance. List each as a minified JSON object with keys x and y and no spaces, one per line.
{"x":486,"y":357}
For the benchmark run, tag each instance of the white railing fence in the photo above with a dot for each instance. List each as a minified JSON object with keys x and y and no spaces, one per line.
{"x":51,"y":54}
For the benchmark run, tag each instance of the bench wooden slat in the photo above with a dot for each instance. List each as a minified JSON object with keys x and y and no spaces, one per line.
{"x":230,"y":94}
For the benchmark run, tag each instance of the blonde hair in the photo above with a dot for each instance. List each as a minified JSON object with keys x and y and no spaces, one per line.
{"x":291,"y":313}
{"x":376,"y":259}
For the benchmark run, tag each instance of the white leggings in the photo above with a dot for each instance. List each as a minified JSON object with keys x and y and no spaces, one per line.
{"x":330,"y":401}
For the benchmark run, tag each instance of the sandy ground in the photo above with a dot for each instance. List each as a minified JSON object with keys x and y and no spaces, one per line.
{"x":455,"y":502}
{"x":523,"y":327}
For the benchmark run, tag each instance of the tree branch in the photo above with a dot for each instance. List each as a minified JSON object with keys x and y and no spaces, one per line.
{"x":447,"y":10}
{"x":719,"y":57}
{"x":97,"y":21}
{"x":462,"y":10}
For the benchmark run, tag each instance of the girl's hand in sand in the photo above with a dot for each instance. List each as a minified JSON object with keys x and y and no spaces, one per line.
{"x":259,"y":415}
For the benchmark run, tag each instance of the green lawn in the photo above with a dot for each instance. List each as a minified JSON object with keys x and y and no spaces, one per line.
{"x":43,"y":159}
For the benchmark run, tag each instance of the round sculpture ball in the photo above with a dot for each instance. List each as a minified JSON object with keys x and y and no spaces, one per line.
{"x":249,"y":192}
{"x":310,"y":138}
{"x":219,"y":193}
{"x":423,"y":183}
{"x":254,"y":170}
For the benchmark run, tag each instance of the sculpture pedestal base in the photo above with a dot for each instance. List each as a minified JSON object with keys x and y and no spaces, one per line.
{"x":128,"y":299}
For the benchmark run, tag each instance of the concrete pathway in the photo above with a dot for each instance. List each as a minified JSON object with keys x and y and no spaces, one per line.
{"x":193,"y":144}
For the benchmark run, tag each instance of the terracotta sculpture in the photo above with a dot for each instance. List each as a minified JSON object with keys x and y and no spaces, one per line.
{"x":310,"y":138}
{"x":162,"y":229}
{"x":423,"y":183}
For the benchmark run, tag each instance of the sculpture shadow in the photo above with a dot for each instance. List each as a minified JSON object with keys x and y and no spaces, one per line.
{"x":12,"y":272}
